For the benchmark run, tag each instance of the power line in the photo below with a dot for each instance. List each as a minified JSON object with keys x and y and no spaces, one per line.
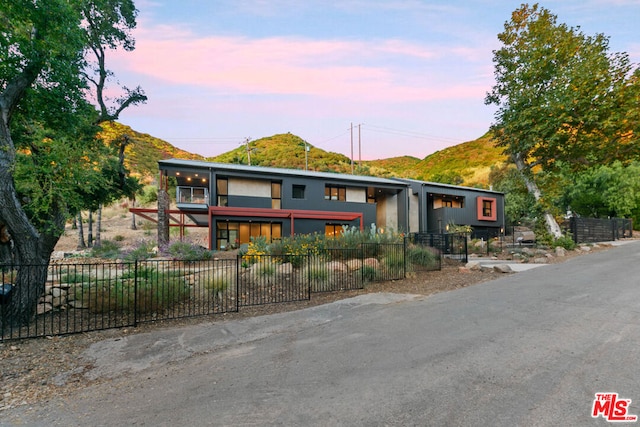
{"x":409,"y":134}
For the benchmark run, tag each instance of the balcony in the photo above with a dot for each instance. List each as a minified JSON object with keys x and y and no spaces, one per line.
{"x":192,"y":197}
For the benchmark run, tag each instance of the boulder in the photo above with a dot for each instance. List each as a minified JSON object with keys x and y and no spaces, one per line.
{"x":502,"y":268}
{"x":337,"y":266}
{"x":560,"y":251}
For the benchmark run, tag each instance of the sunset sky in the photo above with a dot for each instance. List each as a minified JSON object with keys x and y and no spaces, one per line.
{"x":412,"y":73}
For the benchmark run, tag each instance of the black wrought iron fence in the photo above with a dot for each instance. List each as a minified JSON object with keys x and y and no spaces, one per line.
{"x":88,"y":297}
{"x":448,"y":245}
{"x":269,"y":279}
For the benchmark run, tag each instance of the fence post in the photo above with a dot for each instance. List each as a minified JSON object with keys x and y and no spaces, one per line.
{"x":238,"y":267}
{"x":404,"y":257}
{"x":135,"y":293}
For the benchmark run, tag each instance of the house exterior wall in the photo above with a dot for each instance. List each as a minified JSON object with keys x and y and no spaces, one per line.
{"x":307,"y":206}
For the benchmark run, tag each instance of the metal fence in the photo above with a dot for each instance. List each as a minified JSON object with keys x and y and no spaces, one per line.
{"x":87,"y":297}
{"x":590,"y":230}
{"x":448,"y":245}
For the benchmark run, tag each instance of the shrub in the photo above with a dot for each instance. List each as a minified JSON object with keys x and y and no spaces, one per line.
{"x":186,"y":251}
{"x":145,"y":250}
{"x":424,"y":257}
{"x":565,"y":241}
{"x":107,"y":249}
{"x":216,"y":282}
{"x":369,"y":273}
{"x":153,"y":291}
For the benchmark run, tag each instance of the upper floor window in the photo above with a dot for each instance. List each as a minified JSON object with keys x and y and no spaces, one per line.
{"x":276,"y":195}
{"x":335,"y":192}
{"x":222,"y":190}
{"x":297,"y":191}
{"x":487,"y":209}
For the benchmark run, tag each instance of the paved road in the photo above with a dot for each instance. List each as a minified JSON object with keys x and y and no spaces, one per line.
{"x":529,"y":349}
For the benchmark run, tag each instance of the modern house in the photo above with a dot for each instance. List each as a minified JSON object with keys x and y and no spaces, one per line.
{"x":435,"y":207}
{"x":237,"y":202}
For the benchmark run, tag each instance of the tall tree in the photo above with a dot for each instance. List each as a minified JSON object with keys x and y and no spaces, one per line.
{"x":49,"y":153}
{"x":562,"y":99}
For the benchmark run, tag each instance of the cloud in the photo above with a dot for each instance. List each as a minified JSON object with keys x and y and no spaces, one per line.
{"x":381,"y":70}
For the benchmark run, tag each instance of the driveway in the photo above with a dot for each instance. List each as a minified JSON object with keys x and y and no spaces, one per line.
{"x":528,"y":349}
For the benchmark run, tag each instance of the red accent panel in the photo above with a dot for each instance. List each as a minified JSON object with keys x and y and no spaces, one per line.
{"x":480,"y":208}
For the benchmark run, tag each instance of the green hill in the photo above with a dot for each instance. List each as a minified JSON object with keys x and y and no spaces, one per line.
{"x":144,"y":151}
{"x":285,"y":151}
{"x":467,"y":164}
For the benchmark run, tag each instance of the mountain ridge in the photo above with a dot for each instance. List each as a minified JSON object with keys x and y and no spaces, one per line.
{"x":468,"y":163}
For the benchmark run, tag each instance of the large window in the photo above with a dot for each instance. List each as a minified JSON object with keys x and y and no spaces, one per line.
{"x":230,"y":235}
{"x":335,"y":192}
{"x":222,"y":190}
{"x":333,"y":230}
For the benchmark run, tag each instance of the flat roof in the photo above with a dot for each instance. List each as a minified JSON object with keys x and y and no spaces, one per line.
{"x":177,"y":163}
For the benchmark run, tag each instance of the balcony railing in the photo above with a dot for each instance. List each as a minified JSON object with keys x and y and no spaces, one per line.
{"x":192,"y":195}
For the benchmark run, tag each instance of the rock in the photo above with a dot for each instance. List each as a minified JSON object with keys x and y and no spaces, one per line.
{"x":44,"y":308}
{"x":560,"y":251}
{"x":77,"y":304}
{"x":585,"y":248}
{"x":502,"y":268}
{"x":337,"y":266}
{"x":473,"y":266}
{"x":58,"y":292}
{"x":372,"y":262}
{"x":354,"y":264}
{"x":540,"y":260}
{"x":286,"y":268}
{"x":464,"y":270}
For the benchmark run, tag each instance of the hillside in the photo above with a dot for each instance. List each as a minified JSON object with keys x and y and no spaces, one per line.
{"x":144,"y":151}
{"x":467,"y":164}
{"x":286,"y":151}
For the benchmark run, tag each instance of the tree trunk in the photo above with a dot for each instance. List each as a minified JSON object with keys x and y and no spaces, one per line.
{"x":133,"y":216}
{"x":90,"y":230}
{"x":81,"y":244}
{"x":98,"y":241}
{"x":552,"y":225}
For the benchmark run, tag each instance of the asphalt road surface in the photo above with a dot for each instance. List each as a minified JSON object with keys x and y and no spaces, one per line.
{"x":530,"y":349}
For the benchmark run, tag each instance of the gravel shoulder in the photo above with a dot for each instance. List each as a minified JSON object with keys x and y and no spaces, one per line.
{"x":37,"y":370}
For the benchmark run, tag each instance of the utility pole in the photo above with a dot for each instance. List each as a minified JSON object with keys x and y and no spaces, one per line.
{"x":359,"y":148}
{"x":246,"y":141}
{"x":306,"y":156}
{"x":351,"y":148}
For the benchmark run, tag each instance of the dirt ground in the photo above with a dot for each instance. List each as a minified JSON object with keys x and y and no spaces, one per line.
{"x":39,"y":369}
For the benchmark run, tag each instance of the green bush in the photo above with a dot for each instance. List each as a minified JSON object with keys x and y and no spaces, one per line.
{"x":186,"y":251}
{"x":565,"y":241}
{"x":369,"y":273}
{"x":424,"y":257}
{"x":145,"y":250}
{"x":153,"y":291}
{"x":107,"y":249}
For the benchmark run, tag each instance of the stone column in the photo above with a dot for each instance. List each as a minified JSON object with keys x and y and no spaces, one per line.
{"x":163,"y":217}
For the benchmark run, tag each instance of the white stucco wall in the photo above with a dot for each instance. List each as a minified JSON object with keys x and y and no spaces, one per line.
{"x":358,"y":195}
{"x":249,"y":187}
{"x":414,"y":213}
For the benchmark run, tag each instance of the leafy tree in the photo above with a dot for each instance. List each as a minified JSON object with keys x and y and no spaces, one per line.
{"x":519,"y":205}
{"x":51,"y":163}
{"x":606,"y":191}
{"x":562,"y":99}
